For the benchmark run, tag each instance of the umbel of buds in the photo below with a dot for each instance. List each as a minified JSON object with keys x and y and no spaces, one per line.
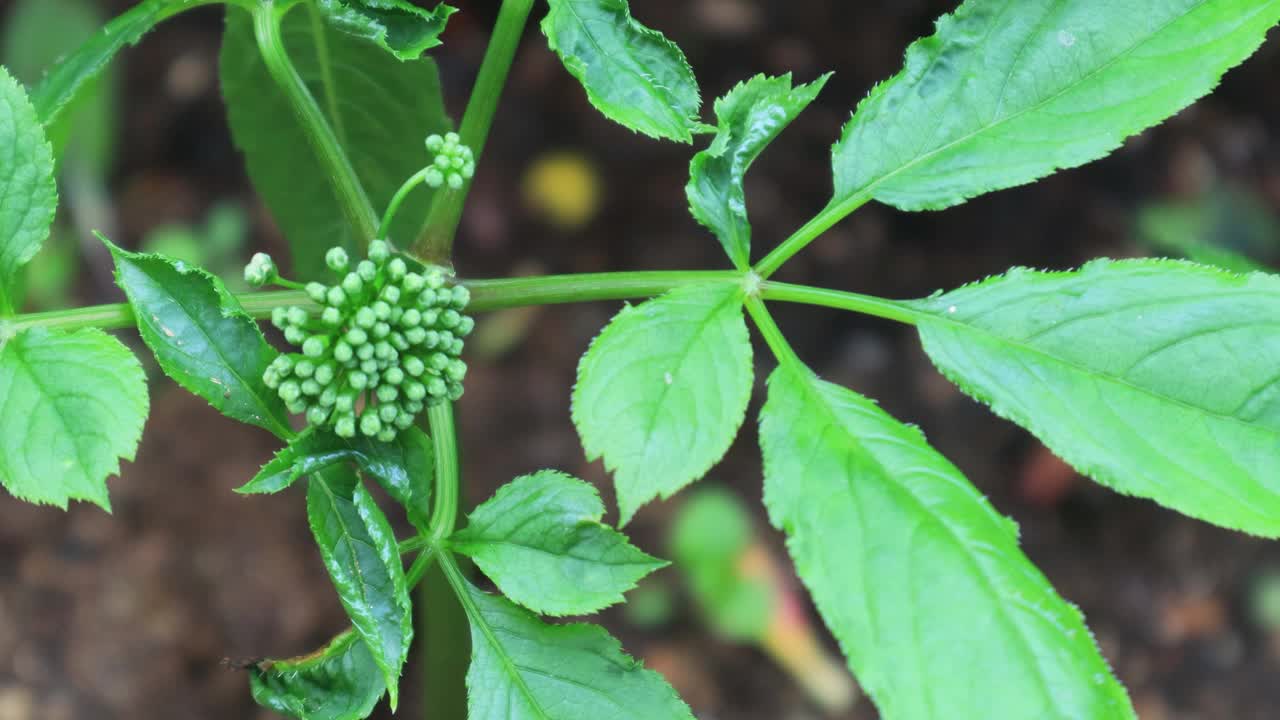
{"x":383,"y":345}
{"x":454,"y":164}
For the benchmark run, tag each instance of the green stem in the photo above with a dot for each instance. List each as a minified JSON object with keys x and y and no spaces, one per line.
{"x":772,"y":334}
{"x":556,"y":289}
{"x":351,"y":196}
{"x":392,"y":207}
{"x":866,"y":304}
{"x":821,"y":222}
{"x":444,"y":515}
{"x":435,"y":243}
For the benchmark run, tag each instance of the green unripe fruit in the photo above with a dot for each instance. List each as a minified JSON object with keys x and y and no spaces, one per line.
{"x":317,"y":415}
{"x":342,"y":352}
{"x":388,"y":413}
{"x":394,"y":375}
{"x":357,"y":337}
{"x":315,"y":346}
{"x":345,"y":427}
{"x":374,"y":379}
{"x":352,"y":284}
{"x":336,"y":297}
{"x":336,"y":259}
{"x":414,"y":366}
{"x":370,"y":424}
{"x":290,"y":391}
{"x":365,"y":318}
{"x":316,"y":292}
{"x":458,"y":161}
{"x":331,"y":316}
{"x":367,"y":271}
{"x":304,"y":369}
{"x":379,"y":252}
{"x":295,"y":335}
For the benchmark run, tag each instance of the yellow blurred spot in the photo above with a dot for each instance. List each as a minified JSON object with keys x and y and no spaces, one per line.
{"x":564,"y":186}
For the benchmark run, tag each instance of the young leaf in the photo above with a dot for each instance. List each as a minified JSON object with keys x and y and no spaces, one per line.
{"x":663,"y":389}
{"x":921,"y":581}
{"x":66,"y":79}
{"x":381,"y":110}
{"x":1008,"y":91}
{"x":541,"y":541}
{"x":339,"y":682}
{"x":28,"y":194}
{"x":524,"y":669}
{"x":71,"y":405}
{"x":749,"y":117}
{"x":360,"y":551}
{"x":201,"y":336}
{"x":634,"y":75}
{"x":403,"y":467}
{"x":399,"y":27}
{"x":1155,"y":377}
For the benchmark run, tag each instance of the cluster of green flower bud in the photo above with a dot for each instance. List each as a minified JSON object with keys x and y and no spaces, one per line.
{"x":454,"y":162}
{"x":260,"y":270}
{"x":383,"y":346}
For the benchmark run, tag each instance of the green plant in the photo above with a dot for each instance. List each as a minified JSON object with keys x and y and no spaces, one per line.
{"x":1154,"y":377}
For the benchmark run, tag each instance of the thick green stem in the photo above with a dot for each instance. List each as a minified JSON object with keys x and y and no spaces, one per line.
{"x":866,"y":304}
{"x":821,"y":222}
{"x":444,"y":435}
{"x":772,"y":334}
{"x":435,"y":243}
{"x":351,"y":196}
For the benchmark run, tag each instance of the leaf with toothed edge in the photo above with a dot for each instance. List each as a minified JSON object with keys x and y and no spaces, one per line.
{"x":1008,"y":91}
{"x":938,"y":611}
{"x":541,"y":541}
{"x":663,"y":389}
{"x":28,"y":193}
{"x":71,"y":406}
{"x":397,"y":26}
{"x":339,"y":682}
{"x":1157,"y":378}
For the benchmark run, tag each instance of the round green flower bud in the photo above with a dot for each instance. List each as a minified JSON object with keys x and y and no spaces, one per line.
{"x":311,"y":388}
{"x":304,"y":369}
{"x":295,"y":335}
{"x":382,"y":350}
{"x":336,"y":297}
{"x":457,"y":370}
{"x":386,"y":435}
{"x":455,"y":390}
{"x":365,"y":318}
{"x":404,"y":420}
{"x":465,"y":326}
{"x":411,"y":318}
{"x":414,"y":366}
{"x":388,"y":413}
{"x":427,"y":298}
{"x":345,"y":403}
{"x":358,"y":380}
{"x":315,"y":346}
{"x":297,"y":407}
{"x":446,"y":340}
{"x":415,"y":390}
{"x":280,"y":317}
{"x":374,"y":379}
{"x":271,"y":378}
{"x":414,"y":407}
{"x":397,"y":341}
{"x":461,"y":296}
{"x":455,"y":181}
{"x":379,"y":252}
{"x":329,"y":397}
{"x":283,"y":364}
{"x":430,"y":318}
{"x":342,"y":352}
{"x":298,"y":316}
{"x":370,"y":424}
{"x":369,"y":367}
{"x":337,"y":259}
{"x":435,"y":278}
{"x":331,"y":316}
{"x":381,"y":330}
{"x":260,"y":270}
{"x":367,"y":271}
{"x":433,"y":177}
{"x":394,"y":375}
{"x":452,"y":138}
{"x":442,"y":162}
{"x":416,"y":336}
{"x":457,"y":161}
{"x":437,"y":387}
{"x":316,"y":292}
{"x":290,"y":391}
{"x":434,"y":143}
{"x":413,"y":282}
{"x":381,"y":310}
{"x":325,"y":373}
{"x":357,"y":336}
{"x":352,"y":284}
{"x":469,"y":170}
{"x":455,"y":349}
{"x":364,"y":352}
{"x":397,"y":312}
{"x":450,"y":319}
{"x":317,"y":415}
{"x":391,"y":294}
{"x":345,"y":427}
{"x":397,"y":269}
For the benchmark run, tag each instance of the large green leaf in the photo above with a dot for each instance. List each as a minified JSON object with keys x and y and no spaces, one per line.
{"x":750,"y":116}
{"x":360,"y":551}
{"x":339,"y":682}
{"x":201,"y":336}
{"x":541,"y":541}
{"x":71,"y":405}
{"x":663,"y":389}
{"x":380,"y":109}
{"x":922,"y":582}
{"x":398,"y":26}
{"x":403,"y":467}
{"x":28,"y":193}
{"x":524,"y":669}
{"x":634,"y":75}
{"x":1008,"y":91}
{"x":1158,"y":378}
{"x":55,"y":93}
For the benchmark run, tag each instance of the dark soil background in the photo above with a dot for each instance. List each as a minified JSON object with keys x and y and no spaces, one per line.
{"x":130,"y":615}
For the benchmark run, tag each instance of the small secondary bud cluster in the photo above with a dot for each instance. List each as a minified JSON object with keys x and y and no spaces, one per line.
{"x":383,"y":346}
{"x":454,"y":162}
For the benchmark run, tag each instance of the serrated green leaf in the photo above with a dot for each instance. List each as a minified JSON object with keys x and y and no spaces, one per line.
{"x":380,"y":109}
{"x":201,"y":336}
{"x":633,"y":75}
{"x":67,"y":78}
{"x":1155,"y":377}
{"x":663,"y":389}
{"x":339,"y":682}
{"x":750,"y":116}
{"x":360,"y":551}
{"x":71,"y":406}
{"x":541,"y":541}
{"x":1008,"y":91}
{"x":921,"y":581}
{"x":399,"y":27}
{"x":28,"y":193}
{"x":403,"y":467}
{"x":524,"y":669}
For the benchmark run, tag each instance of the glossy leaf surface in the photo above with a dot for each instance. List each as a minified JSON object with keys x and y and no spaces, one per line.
{"x":28,"y":194}
{"x":339,"y":682}
{"x":399,"y":27}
